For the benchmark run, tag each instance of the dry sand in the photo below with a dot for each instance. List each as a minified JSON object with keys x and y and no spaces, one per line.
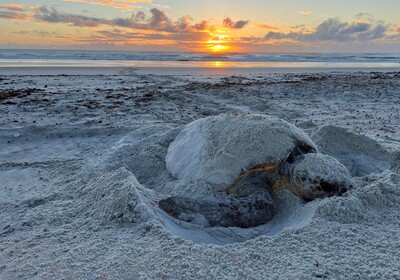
{"x":82,"y":162}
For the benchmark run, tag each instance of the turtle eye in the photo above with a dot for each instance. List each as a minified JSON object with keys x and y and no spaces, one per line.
{"x":301,"y":176}
{"x":327,"y":187}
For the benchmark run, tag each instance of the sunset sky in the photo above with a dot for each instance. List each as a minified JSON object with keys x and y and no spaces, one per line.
{"x":203,"y":25}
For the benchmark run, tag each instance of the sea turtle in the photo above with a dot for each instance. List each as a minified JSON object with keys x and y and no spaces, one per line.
{"x":245,"y":157}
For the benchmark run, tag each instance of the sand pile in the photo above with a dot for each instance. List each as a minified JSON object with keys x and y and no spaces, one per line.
{"x":360,"y":154}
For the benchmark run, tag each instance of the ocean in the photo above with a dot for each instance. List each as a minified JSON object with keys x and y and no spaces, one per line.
{"x":76,"y":58}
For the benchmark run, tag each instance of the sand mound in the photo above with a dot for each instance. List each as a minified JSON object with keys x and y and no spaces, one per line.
{"x":142,"y":152}
{"x":360,"y":154}
{"x":374,"y":195}
{"x":116,"y":196}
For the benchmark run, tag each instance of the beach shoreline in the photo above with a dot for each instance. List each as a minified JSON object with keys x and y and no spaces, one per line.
{"x":172,"y":70}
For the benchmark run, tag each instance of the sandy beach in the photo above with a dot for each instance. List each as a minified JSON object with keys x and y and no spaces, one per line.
{"x":82,"y":166}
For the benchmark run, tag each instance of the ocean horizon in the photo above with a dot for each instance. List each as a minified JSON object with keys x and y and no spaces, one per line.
{"x":77,"y":58}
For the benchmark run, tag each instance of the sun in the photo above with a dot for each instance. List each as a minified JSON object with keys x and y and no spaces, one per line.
{"x":219,"y":48}
{"x":218,"y":43}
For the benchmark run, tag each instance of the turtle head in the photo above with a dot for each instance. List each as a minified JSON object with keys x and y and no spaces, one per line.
{"x":316,"y":175}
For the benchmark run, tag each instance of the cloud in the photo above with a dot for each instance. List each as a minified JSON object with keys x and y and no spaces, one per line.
{"x":299,"y":26}
{"x":13,"y":11}
{"x":336,"y":31}
{"x":157,"y":20}
{"x":150,"y":40}
{"x":52,"y":15}
{"x":13,"y":15}
{"x":12,"y":7}
{"x":203,"y":25}
{"x":304,"y":13}
{"x":267,"y":27}
{"x":118,"y":4}
{"x":159,"y":6}
{"x":42,"y":33}
{"x":364,"y":17}
{"x":123,"y":36}
{"x":251,"y":39}
{"x":229,"y":23}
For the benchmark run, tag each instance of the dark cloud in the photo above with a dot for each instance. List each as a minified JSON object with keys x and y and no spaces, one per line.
{"x":364,"y":16}
{"x":155,"y":26}
{"x":252,"y":39}
{"x":157,"y":20}
{"x":42,"y":33}
{"x":22,"y":32}
{"x":299,"y":26}
{"x":335,"y":30}
{"x":14,"y":15}
{"x":229,"y":23}
{"x":52,"y":15}
{"x":13,"y":11}
{"x":185,"y":22}
{"x":123,"y":35}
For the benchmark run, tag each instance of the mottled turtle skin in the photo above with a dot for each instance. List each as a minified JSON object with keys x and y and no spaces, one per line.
{"x":247,"y":157}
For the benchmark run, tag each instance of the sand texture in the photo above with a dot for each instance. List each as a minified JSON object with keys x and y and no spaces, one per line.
{"x":82,"y":166}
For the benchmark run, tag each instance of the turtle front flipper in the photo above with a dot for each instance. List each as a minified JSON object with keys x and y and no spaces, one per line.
{"x":250,"y":211}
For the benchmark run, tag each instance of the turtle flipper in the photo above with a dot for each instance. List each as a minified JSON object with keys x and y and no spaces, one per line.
{"x":250,"y":211}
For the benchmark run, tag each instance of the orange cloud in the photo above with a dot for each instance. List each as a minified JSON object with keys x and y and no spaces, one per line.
{"x":13,"y":11}
{"x":304,"y":13}
{"x":267,"y":27}
{"x":118,"y":4}
{"x":12,"y":7}
{"x":359,"y":21}
{"x":14,"y":15}
{"x":134,"y":1}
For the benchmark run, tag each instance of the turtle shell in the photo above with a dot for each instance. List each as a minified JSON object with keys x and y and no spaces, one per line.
{"x":219,"y":149}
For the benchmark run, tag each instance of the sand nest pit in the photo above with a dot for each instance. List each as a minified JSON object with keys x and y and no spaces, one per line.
{"x":360,"y":154}
{"x":152,"y":164}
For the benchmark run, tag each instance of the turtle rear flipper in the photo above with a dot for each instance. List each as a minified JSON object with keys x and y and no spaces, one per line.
{"x":250,"y":211}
